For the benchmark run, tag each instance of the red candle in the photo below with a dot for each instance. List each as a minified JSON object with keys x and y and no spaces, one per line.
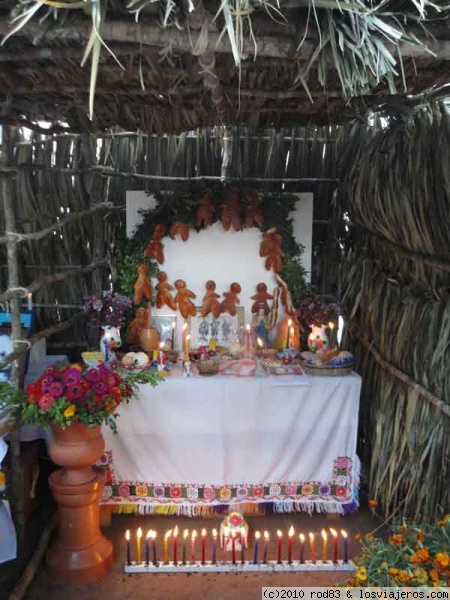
{"x":175,"y":545}
{"x":193,"y":538}
{"x":335,"y":545}
{"x":233,"y":547}
{"x":290,"y":541}
{"x":203,"y":545}
{"x":280,"y":540}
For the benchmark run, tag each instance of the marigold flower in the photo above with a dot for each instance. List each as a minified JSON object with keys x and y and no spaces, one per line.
{"x":361,"y":574}
{"x":70,"y":411}
{"x":396,"y":539}
{"x":420,"y":537}
{"x":358,"y":536}
{"x":421,"y":575}
{"x":392,"y":571}
{"x":442,"y":560}
{"x":404,"y":576}
{"x":434,"y":575}
{"x":369,"y":536}
{"x":373,"y":504}
{"x":422,"y":555}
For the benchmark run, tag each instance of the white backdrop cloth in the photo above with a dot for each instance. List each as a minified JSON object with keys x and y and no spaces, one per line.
{"x":222,"y":440}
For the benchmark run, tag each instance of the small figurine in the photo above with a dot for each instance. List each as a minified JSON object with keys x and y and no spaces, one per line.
{"x":205,"y":211}
{"x":182,"y":299}
{"x":140,"y":321}
{"x":260,"y":299}
{"x":163,"y":295}
{"x":211,"y":303}
{"x":231,"y":211}
{"x":271,"y":248}
{"x":231,"y":299}
{"x":179,"y":228}
{"x":233,"y":525}
{"x":254,"y":215}
{"x":142,"y":286}
{"x":155,"y":247}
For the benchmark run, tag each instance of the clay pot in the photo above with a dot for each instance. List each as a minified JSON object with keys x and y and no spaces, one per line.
{"x":149,"y":339}
{"x":80,"y":553}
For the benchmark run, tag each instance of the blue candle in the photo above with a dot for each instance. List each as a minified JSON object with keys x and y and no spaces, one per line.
{"x":255,"y":553}
{"x":153,"y":536}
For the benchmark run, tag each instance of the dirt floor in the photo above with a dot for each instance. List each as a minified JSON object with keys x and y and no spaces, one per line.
{"x":119,"y":586}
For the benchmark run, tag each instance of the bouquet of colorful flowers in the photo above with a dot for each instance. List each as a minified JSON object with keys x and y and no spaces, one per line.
{"x":414,"y":556}
{"x":315,"y":311}
{"x":110,"y":308}
{"x":74,"y":393}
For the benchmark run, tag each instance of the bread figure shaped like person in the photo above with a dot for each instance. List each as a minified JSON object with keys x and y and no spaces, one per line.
{"x":260,"y":299}
{"x":231,"y":299}
{"x":142,"y":286}
{"x":140,"y":321}
{"x":183,"y":299}
{"x":211,"y":303}
{"x":163,"y":295}
{"x":271,"y":248}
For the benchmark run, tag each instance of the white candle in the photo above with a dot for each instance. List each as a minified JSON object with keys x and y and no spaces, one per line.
{"x":188,"y":337}
{"x":30,"y":301}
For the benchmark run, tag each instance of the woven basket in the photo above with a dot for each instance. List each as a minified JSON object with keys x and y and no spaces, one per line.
{"x":208,"y":367}
{"x":326,"y":371}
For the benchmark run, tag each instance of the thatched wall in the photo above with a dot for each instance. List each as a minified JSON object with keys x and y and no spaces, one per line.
{"x":397,"y":294}
{"x":74,"y":173}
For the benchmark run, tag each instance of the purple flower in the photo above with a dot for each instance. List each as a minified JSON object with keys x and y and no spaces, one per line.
{"x":100,"y":387}
{"x":47,"y":380}
{"x":158,"y":491}
{"x":56,"y":389}
{"x":94,"y":375}
{"x":324,"y":490}
{"x":71,"y":376}
{"x":111,"y":308}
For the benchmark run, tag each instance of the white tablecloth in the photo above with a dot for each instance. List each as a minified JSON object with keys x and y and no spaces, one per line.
{"x":209,"y":441}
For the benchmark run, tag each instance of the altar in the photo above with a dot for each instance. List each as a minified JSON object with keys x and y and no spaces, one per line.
{"x":198,"y":443}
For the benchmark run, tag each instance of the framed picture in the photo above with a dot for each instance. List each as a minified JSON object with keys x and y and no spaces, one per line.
{"x":225,"y":330}
{"x":164,"y":325}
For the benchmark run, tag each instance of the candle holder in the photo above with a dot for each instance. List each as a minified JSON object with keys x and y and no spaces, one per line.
{"x":272,"y":566}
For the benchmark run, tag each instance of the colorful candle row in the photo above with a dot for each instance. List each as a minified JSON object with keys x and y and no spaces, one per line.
{"x":309,"y":551}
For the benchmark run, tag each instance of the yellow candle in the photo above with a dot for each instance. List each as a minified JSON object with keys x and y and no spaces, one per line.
{"x":166,"y":546}
{"x":188,"y":338}
{"x":155,"y":354}
{"x":138,"y":546}
{"x":212,"y":344}
{"x":325,"y":543}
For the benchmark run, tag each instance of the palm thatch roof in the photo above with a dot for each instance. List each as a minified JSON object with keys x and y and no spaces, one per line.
{"x":173,"y":65}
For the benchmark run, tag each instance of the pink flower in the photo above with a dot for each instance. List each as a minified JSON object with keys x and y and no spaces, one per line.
{"x":124,"y":490}
{"x":209,"y":493}
{"x":45,"y":402}
{"x":112,"y":380}
{"x":74,"y":392}
{"x":100,"y":387}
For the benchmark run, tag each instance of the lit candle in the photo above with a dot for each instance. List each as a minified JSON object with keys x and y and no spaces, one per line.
{"x":127,"y":537}
{"x":260,"y":346}
{"x":233,"y":546}
{"x":30,"y":301}
{"x":292,"y":330}
{"x":325,"y":543}
{"x":302,"y":548}
{"x":138,"y":546}
{"x":242,"y":545}
{"x":188,"y":337}
{"x":312,"y":547}
{"x":344,"y":535}
{"x":255,"y":553}
{"x":266,"y":546}
{"x":214,"y":546}
{"x":153,"y":536}
{"x":172,"y":339}
{"x":155,"y":354}
{"x":289,"y":323}
{"x":175,"y":545}
{"x":331,"y":327}
{"x":166,"y":546}
{"x":290,"y":541}
{"x":203,"y":545}
{"x":247,"y":338}
{"x":335,"y":545}
{"x":183,"y":337}
{"x":193,"y":538}
{"x":185,"y":536}
{"x":147,"y":548}
{"x":161,"y":354}
{"x":280,"y":541}
{"x":212,"y":344}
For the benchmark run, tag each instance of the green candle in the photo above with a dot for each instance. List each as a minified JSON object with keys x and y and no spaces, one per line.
{"x":185,"y":536}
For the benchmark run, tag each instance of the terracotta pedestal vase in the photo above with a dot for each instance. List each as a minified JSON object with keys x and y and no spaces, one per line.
{"x":80,"y":553}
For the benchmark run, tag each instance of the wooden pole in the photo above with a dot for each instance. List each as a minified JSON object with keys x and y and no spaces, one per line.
{"x":6,"y":197}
